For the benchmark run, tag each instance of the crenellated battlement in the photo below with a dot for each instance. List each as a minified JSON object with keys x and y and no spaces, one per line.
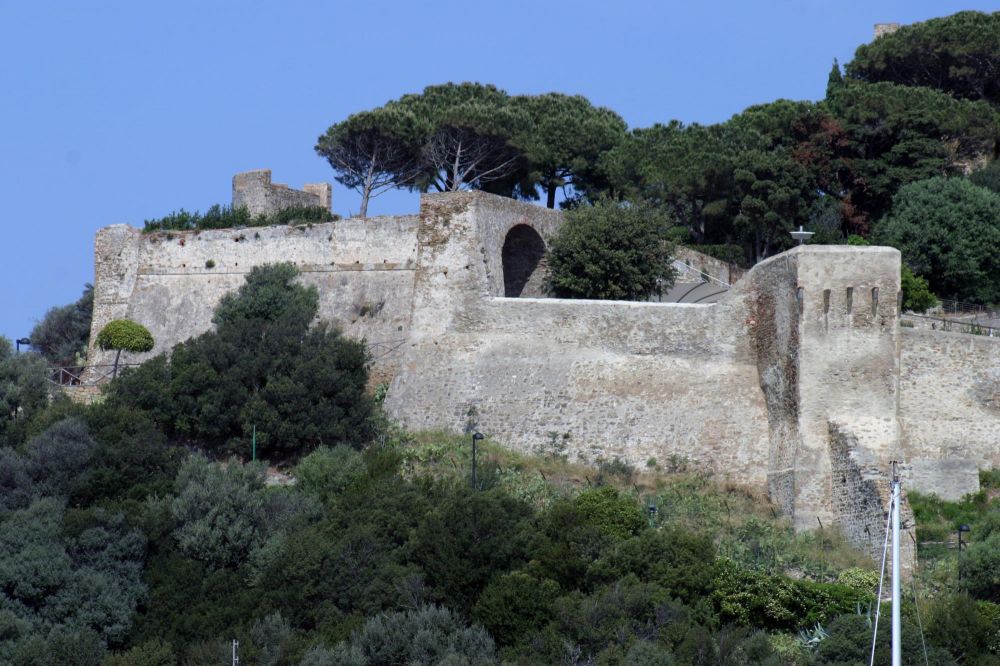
{"x":254,"y":191}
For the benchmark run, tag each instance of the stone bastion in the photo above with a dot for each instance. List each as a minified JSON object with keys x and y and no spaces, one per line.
{"x":800,"y":380}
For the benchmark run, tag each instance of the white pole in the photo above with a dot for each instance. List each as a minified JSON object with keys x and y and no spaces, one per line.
{"x":896,"y":635}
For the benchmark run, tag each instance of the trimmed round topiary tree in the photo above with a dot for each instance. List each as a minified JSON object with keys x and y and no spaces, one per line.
{"x":124,"y":335}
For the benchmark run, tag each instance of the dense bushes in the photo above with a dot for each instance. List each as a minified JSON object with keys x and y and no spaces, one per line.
{"x":264,"y":370}
{"x":947,"y":229}
{"x":225,"y":217}
{"x":62,"y":334}
{"x":611,"y":250}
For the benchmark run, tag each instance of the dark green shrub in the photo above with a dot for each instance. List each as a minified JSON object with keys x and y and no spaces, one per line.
{"x":611,"y":250}
{"x":466,"y":539}
{"x":263,"y":367}
{"x":226,"y":217}
{"x":755,"y":599}
{"x":678,"y":561}
{"x":947,"y":229}
{"x":426,"y":635}
{"x":610,"y":512}
{"x":515,"y":606}
{"x":62,"y":334}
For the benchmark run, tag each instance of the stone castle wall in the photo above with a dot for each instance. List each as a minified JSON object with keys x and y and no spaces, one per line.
{"x":799,"y":379}
{"x":254,"y":191}
{"x":171,"y":281}
{"x":949,"y":408}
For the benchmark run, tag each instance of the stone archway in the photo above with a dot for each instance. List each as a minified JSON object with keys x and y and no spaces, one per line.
{"x":523,"y":265}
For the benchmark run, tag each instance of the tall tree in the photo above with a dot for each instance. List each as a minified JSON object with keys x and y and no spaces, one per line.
{"x":958,"y":54}
{"x":948,"y":230}
{"x":565,"y":139}
{"x":466,"y":135}
{"x":900,"y":134}
{"x":373,"y":151}
{"x":687,"y":170}
{"x":61,"y":336}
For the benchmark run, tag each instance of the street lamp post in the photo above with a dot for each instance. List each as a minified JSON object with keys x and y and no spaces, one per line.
{"x":801,"y":235}
{"x":22,"y":341}
{"x":476,"y":437}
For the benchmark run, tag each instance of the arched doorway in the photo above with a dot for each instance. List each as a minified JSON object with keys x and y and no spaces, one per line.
{"x":523,"y":250}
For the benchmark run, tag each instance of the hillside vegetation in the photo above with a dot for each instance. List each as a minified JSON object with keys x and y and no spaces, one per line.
{"x":246,"y":485}
{"x":138,"y":530}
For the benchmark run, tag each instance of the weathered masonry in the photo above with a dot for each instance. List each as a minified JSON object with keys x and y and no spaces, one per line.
{"x":800,"y":379}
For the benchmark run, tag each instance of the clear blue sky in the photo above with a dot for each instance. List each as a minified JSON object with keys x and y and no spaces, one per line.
{"x":120,"y":111}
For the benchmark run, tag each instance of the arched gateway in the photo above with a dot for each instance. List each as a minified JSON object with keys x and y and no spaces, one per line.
{"x":523,"y":251}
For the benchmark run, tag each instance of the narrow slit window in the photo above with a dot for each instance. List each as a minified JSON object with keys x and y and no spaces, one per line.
{"x":850,"y":299}
{"x":826,"y":301}
{"x":800,"y":296}
{"x":874,"y":300}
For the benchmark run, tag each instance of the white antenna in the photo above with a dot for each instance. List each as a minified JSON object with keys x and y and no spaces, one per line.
{"x":896,"y":598}
{"x":236,"y":659}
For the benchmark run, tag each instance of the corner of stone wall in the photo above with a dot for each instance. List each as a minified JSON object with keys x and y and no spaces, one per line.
{"x":773,"y":328}
{"x":116,"y":266}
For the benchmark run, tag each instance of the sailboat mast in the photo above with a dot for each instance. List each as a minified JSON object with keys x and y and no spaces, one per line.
{"x":896,"y":599}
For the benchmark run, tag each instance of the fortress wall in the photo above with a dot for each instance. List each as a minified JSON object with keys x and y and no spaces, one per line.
{"x":362,"y":268}
{"x":633,"y":380}
{"x":848,"y":394}
{"x":949,"y":408}
{"x":606,"y":379}
{"x":800,"y":378}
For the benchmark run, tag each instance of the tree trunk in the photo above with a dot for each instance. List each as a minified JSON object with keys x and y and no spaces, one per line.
{"x":551,"y":202}
{"x":365,"y":195}
{"x":114,"y":373}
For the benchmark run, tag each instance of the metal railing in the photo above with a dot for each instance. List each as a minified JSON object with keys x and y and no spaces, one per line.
{"x":705,"y":277}
{"x":942,"y":324}
{"x":85,"y":375}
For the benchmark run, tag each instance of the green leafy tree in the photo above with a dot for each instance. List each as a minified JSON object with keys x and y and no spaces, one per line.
{"x":613,"y":513}
{"x":611,"y":250}
{"x":917,"y":296}
{"x":947,"y":229}
{"x":373,"y":151}
{"x":896,"y":135}
{"x":565,"y":138}
{"x":23,"y":391}
{"x":988,"y":176}
{"x":515,"y":606}
{"x":302,"y":386}
{"x":466,"y":134}
{"x":687,"y":170}
{"x":980,"y":569}
{"x":219,"y":510}
{"x":958,"y":54}
{"x":62,"y":335}
{"x":676,"y":560}
{"x":124,"y":335}
{"x":466,"y":539}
